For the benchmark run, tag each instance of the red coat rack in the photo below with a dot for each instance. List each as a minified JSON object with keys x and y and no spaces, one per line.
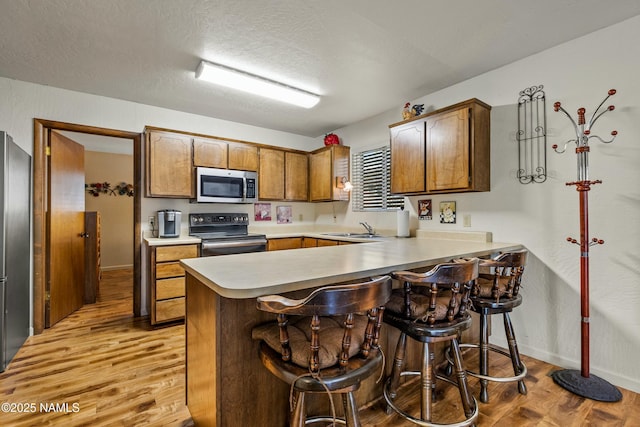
{"x":582,"y":382}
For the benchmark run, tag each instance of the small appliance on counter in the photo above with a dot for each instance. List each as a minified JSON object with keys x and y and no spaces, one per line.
{"x":169,"y":223}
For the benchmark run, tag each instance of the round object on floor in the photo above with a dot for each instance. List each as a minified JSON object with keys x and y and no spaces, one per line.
{"x":591,"y":387}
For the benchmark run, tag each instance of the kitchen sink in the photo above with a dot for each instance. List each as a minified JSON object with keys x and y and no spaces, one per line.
{"x":354,"y":235}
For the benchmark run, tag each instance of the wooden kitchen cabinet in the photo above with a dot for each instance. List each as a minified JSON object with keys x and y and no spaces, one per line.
{"x":283,"y":175}
{"x":326,"y":168}
{"x":444,"y":151}
{"x":166,"y":277}
{"x":283,"y":243}
{"x":296,"y":176}
{"x":243,"y":156}
{"x":408,"y":158}
{"x":210,"y":153}
{"x":168,"y":167}
{"x":271,"y":175}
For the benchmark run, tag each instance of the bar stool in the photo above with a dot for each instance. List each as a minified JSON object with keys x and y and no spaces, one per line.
{"x":497,"y":291}
{"x":330,"y":347}
{"x":431,"y":307}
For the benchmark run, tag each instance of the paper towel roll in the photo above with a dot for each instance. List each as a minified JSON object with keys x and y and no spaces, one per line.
{"x":403,"y":223}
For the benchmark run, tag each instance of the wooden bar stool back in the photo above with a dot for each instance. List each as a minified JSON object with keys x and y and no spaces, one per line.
{"x":325,"y":343}
{"x":431,"y":307}
{"x":497,"y":291}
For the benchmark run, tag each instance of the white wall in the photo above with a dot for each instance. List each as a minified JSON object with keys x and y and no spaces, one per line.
{"x":541,"y":216}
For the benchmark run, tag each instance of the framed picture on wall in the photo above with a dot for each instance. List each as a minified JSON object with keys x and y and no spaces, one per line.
{"x":262,"y":211}
{"x":284,"y":214}
{"x":447,"y":212}
{"x":424,"y":209}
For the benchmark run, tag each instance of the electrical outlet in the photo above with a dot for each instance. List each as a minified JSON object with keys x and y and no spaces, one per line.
{"x":152,"y":223}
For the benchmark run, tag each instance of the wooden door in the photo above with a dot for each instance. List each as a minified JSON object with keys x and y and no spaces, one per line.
{"x":169,"y":165}
{"x":66,"y":231}
{"x":211,"y":153}
{"x":243,"y":157}
{"x":408,"y":158}
{"x":296,"y":179}
{"x":271,"y":178}
{"x":320,"y":187}
{"x":92,"y":257}
{"x":448,"y":151}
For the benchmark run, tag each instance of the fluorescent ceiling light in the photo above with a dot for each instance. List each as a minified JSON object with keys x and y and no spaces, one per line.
{"x":225,"y":76}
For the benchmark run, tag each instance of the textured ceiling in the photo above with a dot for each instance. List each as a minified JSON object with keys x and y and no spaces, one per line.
{"x":363,"y":56}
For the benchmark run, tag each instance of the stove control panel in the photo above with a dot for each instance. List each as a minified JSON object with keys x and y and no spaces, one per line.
{"x":198,"y":219}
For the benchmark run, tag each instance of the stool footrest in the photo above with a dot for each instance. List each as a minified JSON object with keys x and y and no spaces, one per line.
{"x":519,"y":377}
{"x":464,"y":423}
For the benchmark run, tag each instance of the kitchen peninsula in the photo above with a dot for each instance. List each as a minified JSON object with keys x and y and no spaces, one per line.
{"x":226,"y":382}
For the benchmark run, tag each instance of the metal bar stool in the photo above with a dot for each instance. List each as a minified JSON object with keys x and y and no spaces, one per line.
{"x":431,"y":307}
{"x":329,"y":347}
{"x":497,"y":291}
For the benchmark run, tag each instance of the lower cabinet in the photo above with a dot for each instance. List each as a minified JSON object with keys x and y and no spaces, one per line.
{"x":167,"y":281}
{"x":302,"y":242}
{"x":284,"y":243}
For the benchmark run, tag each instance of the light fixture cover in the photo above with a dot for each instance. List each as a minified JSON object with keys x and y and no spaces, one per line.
{"x":240,"y":80}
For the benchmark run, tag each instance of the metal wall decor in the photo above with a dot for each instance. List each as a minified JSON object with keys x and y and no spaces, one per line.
{"x":582,"y":382}
{"x":532,"y":136}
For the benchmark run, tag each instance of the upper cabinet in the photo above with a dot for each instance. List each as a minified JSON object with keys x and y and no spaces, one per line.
{"x":271,"y":176}
{"x":408,"y":158}
{"x":283,"y":175}
{"x":243,"y":157}
{"x":210,"y":153}
{"x":445,"y":151}
{"x":168,"y":167}
{"x":296,"y":176}
{"x":218,"y":153}
{"x":327,"y":166}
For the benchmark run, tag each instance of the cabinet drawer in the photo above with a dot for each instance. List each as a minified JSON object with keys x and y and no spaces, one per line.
{"x":169,"y":288}
{"x":169,"y":269}
{"x":170,"y":309}
{"x":174,"y":253}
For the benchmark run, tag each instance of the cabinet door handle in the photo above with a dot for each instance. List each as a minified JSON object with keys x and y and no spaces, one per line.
{"x":85,"y":235}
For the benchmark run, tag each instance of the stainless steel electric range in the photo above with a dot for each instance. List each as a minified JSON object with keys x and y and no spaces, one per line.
{"x":225,"y":234}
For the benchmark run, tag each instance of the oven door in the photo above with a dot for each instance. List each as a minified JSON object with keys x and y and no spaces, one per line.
{"x":215,"y":248}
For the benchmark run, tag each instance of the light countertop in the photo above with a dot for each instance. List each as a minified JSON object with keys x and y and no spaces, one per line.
{"x":251,"y":275}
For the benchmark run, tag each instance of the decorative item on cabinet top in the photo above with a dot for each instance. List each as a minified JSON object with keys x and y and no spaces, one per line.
{"x":410,"y":112}
{"x":331,"y":139}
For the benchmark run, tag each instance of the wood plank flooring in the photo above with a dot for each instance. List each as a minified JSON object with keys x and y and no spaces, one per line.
{"x":119,"y":372}
{"x":112,"y":366}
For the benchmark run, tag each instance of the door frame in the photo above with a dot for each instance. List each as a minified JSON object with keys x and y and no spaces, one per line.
{"x":40,"y":178}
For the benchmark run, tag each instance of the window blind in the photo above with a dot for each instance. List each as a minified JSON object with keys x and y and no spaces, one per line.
{"x":371,"y":179}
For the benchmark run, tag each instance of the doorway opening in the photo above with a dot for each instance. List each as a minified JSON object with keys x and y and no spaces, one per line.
{"x":42,"y":130}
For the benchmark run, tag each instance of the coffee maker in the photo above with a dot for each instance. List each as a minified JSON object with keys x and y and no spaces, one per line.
{"x":169,"y":223}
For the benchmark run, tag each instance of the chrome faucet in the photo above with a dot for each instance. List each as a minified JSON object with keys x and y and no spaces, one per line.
{"x":368,"y":227}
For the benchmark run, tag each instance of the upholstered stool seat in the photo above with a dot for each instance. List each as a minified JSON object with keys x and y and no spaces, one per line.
{"x":497,"y":292}
{"x":325,"y":343}
{"x":431,"y":307}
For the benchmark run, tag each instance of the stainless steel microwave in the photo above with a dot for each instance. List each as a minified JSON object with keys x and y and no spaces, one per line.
{"x":226,"y":186}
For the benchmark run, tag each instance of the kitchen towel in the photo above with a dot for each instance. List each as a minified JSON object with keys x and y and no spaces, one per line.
{"x":403,"y":224}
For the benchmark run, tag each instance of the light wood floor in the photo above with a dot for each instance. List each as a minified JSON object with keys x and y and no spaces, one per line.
{"x":116,"y":369}
{"x":120,"y":372}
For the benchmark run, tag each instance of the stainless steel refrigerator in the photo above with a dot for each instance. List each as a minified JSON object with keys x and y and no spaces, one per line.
{"x":15,"y":244}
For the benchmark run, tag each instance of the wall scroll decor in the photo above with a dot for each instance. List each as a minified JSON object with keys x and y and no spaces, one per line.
{"x":532,"y":136}
{"x":582,"y":382}
{"x":97,"y":188}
